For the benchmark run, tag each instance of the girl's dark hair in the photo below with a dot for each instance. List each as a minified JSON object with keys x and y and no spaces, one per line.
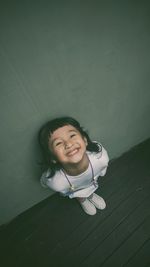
{"x":45,"y":133}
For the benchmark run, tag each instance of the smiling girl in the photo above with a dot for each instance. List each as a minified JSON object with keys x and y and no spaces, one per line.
{"x":73,"y":162}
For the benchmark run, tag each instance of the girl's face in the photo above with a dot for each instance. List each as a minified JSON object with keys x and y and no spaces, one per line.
{"x":68,"y":146}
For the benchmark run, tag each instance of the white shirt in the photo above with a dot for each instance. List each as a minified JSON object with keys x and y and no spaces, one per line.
{"x":83,"y":183}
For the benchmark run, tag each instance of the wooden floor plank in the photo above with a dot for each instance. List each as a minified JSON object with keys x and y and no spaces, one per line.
{"x":138,"y":237}
{"x":141,"y":257}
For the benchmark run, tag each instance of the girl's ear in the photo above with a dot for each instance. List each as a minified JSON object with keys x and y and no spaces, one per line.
{"x":85,"y":140}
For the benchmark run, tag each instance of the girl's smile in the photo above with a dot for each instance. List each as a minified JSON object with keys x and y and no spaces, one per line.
{"x":68,"y":147}
{"x":72,"y":152}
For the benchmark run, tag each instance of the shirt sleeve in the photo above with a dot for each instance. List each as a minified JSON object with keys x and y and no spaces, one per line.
{"x":43,"y":179}
{"x":104,"y":160}
{"x":56,"y":183}
{"x":48,"y":182}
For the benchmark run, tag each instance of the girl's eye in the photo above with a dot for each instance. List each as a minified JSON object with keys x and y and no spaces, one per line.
{"x":58,"y":144}
{"x":73,"y":135}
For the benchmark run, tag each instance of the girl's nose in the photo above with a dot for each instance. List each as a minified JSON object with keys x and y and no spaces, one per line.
{"x":68,"y":144}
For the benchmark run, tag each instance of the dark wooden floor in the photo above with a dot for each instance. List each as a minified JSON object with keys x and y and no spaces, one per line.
{"x":56,"y":232}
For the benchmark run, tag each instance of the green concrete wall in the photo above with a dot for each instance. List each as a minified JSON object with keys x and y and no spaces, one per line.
{"x":87,"y":59}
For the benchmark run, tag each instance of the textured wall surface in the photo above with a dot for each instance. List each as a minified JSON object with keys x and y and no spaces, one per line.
{"x":87,"y":59}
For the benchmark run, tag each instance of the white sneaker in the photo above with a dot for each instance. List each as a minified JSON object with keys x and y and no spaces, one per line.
{"x":88,"y":207}
{"x":97,"y":201}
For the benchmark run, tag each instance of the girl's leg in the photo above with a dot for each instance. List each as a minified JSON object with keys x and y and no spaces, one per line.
{"x":81,"y":199}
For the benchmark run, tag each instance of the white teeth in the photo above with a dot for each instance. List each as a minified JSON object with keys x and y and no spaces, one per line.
{"x":73,"y":152}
